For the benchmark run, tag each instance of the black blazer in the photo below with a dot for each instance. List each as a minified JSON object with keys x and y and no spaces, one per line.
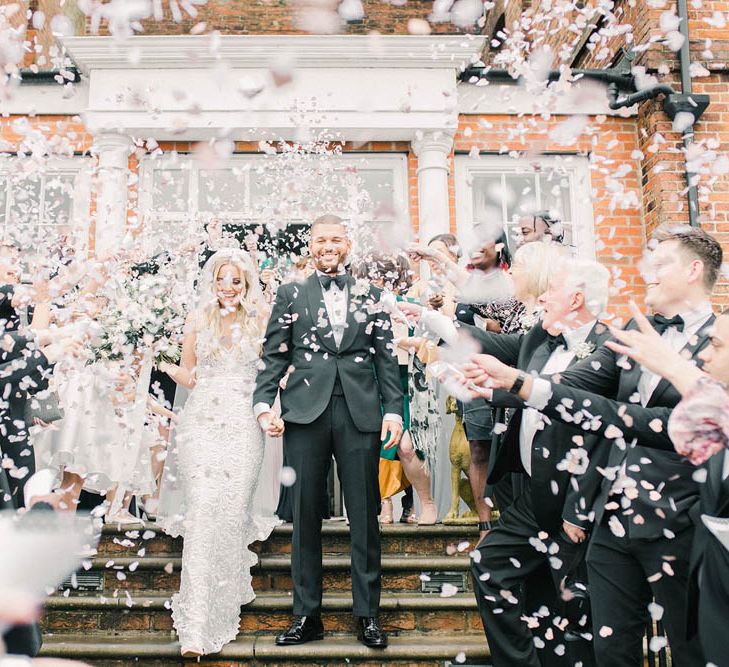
{"x":667,"y":492}
{"x":299,"y":339}
{"x":624,"y":423}
{"x":557,"y":494}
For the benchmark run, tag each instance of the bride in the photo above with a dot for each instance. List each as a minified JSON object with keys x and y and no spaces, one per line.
{"x":219,"y":452}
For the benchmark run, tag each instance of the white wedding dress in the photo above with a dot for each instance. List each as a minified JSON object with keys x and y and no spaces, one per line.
{"x":219,"y":451}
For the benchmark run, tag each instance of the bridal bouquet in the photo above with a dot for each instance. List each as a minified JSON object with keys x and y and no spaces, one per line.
{"x":145,"y":313}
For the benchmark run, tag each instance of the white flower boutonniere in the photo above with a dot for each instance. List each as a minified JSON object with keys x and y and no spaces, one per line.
{"x":584,"y":350}
{"x":528,"y":321}
{"x":361,"y":288}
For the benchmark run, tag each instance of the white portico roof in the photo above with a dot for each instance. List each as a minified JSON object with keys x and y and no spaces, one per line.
{"x":448,"y":52}
{"x":384,"y":87}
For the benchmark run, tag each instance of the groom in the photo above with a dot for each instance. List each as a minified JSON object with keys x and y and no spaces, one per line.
{"x":335,"y":347}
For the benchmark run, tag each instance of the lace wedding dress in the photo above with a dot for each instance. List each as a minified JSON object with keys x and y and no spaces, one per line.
{"x":219,"y":450}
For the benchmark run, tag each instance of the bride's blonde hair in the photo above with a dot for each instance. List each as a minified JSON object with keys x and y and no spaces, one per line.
{"x":251,"y":311}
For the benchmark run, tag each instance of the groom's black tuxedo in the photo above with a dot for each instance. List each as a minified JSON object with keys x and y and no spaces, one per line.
{"x":332,"y":404}
{"x":299,"y":338}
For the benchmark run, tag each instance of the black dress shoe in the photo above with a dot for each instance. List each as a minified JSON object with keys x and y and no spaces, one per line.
{"x":370,"y":633}
{"x":303,"y":629}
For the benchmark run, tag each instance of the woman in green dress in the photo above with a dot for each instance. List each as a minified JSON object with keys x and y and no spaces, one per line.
{"x":411,"y":461}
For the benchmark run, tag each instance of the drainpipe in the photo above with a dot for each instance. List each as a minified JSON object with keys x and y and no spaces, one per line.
{"x":684,"y":59}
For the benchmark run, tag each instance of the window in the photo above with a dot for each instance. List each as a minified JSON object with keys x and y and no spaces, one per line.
{"x":273,"y":196}
{"x":41,"y":201}
{"x":498,"y":190}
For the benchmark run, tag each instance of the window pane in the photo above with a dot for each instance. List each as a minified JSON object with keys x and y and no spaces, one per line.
{"x":488,"y":194}
{"x":379,"y":185}
{"x":556,"y":194}
{"x":222,"y":190}
{"x":58,"y":205}
{"x":521,"y":196}
{"x":25,"y":206}
{"x":170,"y":190}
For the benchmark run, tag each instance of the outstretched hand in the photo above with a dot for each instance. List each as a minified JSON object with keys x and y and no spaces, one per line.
{"x":643,"y":345}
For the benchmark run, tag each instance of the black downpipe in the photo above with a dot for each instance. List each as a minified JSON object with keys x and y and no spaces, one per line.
{"x":684,"y":59}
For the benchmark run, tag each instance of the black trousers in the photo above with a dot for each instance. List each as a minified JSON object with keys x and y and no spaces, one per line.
{"x":18,"y":448}
{"x":625,"y":574}
{"x":713,"y":608}
{"x":308,"y":449}
{"x":502,"y":572}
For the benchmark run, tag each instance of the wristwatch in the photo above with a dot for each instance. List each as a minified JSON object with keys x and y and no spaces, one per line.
{"x":518,"y":383}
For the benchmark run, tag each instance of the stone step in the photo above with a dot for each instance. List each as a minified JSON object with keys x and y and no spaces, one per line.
{"x":396,"y":539}
{"x":268,"y":613}
{"x":410,"y":649}
{"x":157,"y":574}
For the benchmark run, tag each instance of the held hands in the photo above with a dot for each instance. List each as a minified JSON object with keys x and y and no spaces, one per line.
{"x":271,"y":424}
{"x":391,"y":433}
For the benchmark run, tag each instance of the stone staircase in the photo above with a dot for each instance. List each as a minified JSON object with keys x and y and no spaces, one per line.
{"x":116,"y":612}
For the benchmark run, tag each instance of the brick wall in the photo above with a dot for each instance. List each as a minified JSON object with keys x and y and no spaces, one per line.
{"x":264,"y":17}
{"x":609,"y":146}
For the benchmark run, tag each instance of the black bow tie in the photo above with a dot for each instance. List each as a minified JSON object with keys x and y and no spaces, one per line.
{"x":553,"y":342}
{"x":340,"y":279}
{"x":661,"y":323}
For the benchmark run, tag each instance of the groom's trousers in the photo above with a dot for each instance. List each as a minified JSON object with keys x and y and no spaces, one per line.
{"x":309,"y":449}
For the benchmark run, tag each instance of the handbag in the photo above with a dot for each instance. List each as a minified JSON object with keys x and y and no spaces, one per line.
{"x":44,"y":406}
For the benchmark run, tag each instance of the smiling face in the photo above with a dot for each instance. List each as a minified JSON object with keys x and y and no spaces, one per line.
{"x":716,"y":354}
{"x":229,"y":285}
{"x":484,"y":258}
{"x":671,"y":277}
{"x":560,"y":303}
{"x":329,"y":246}
{"x":531,"y":229}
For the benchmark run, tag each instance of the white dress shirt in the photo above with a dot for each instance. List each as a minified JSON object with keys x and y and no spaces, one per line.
{"x":693,"y":320}
{"x":336,"y":300}
{"x":531,"y":419}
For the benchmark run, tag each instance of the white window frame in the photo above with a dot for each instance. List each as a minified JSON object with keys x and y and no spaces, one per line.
{"x":81,"y":168}
{"x":396,"y":162}
{"x":575,"y":167}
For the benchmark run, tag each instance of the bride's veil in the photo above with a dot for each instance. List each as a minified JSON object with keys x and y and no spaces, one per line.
{"x":171,"y":508}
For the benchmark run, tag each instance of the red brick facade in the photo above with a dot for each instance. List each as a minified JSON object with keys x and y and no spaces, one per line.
{"x":644,"y":147}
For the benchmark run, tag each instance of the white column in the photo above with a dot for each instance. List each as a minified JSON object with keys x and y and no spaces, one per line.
{"x":433,"y":151}
{"x":112,"y":150}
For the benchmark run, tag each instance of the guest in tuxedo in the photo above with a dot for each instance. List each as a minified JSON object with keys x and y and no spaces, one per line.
{"x":546,"y":523}
{"x":643,"y":515}
{"x":698,"y":428}
{"x":337,"y":348}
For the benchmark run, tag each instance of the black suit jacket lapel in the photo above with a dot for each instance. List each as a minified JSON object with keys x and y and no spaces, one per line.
{"x":318,"y":313}
{"x":692,"y":347}
{"x":353,"y":305}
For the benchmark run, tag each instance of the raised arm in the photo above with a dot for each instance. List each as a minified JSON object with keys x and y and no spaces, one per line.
{"x":184,"y":373}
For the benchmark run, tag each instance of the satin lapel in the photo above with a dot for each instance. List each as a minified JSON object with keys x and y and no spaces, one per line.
{"x":597,"y":336}
{"x":354,"y":305}
{"x":539,"y":358}
{"x":692,"y":347}
{"x":718,"y":488}
{"x":318,"y":313}
{"x":629,"y":375}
